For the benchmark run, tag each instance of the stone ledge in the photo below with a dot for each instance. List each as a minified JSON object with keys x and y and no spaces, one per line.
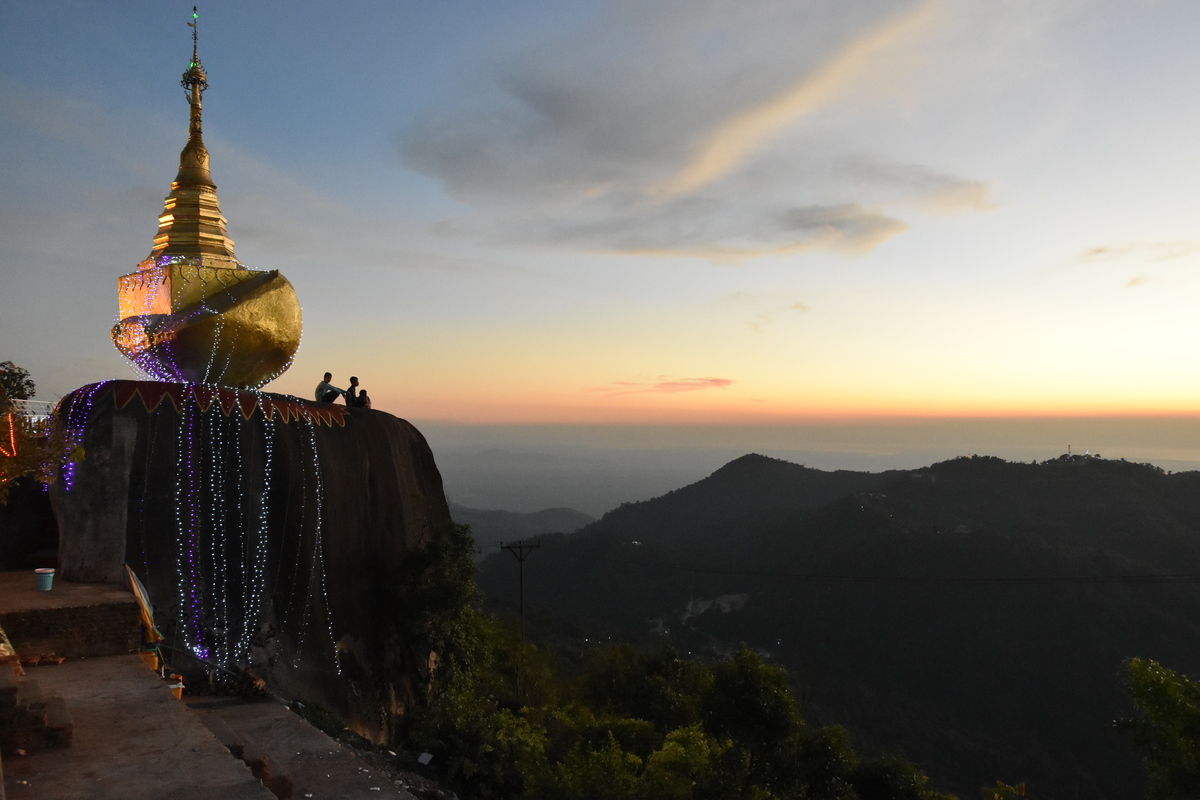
{"x":72,"y":620}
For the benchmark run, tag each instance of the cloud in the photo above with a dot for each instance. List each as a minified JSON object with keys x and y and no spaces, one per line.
{"x":666,"y":131}
{"x":770,"y":308}
{"x":663,"y":384}
{"x":1140,"y":251}
{"x":914,"y":184}
{"x":705,"y":228}
{"x":746,"y":131}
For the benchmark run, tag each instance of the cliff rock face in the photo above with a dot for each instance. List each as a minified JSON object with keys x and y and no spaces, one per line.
{"x":265,"y":528}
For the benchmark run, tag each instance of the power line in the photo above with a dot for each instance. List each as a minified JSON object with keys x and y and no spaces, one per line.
{"x":941,"y":580}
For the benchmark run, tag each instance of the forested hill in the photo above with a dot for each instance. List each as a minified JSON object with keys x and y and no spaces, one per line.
{"x":973,"y":615}
{"x":750,"y":488}
{"x":490,"y":528}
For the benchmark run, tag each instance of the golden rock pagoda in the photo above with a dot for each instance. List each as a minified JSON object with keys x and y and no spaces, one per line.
{"x":192,"y":312}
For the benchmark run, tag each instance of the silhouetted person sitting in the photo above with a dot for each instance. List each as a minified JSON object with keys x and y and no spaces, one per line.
{"x":357,"y":398}
{"x":325,"y":392}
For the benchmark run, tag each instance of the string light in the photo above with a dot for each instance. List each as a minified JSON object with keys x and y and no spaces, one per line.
{"x":145,"y":328}
{"x":215,"y":437}
{"x":254,"y":558}
{"x":11,"y":450}
{"x":222,"y":499}
{"x":73,"y":412}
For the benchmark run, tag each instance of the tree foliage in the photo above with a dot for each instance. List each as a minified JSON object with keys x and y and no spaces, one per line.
{"x":625,"y":724}
{"x":901,"y":661}
{"x":26,"y":447}
{"x":15,"y":384}
{"x":1002,"y":791}
{"x":1166,"y":727}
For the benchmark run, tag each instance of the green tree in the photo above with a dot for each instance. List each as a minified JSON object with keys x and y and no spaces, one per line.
{"x":1165,"y":728}
{"x":460,"y":714}
{"x":657,"y":686}
{"x":824,"y":761}
{"x":751,"y":703}
{"x":15,"y":384}
{"x":890,"y":778}
{"x":686,"y":767}
{"x":1002,"y":791}
{"x":26,"y":447}
{"x":604,"y":773}
{"x":482,"y":745}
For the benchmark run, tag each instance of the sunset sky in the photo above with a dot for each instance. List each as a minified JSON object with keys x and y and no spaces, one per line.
{"x":692,"y":214}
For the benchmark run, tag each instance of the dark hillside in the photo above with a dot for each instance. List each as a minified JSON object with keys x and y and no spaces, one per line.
{"x":958,"y":613}
{"x":489,"y":528}
{"x":748,"y":487}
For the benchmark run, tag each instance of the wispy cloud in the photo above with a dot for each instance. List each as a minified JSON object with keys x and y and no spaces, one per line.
{"x":662,"y":384}
{"x":1139,"y":251}
{"x":747,"y":130}
{"x":667,"y":131}
{"x":918,"y":185}
{"x":734,"y":236}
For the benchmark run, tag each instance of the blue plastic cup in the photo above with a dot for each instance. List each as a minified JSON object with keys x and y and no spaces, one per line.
{"x":43,"y":578}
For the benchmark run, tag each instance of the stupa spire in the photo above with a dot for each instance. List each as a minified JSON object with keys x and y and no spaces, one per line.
{"x":193,"y":161}
{"x":191,"y":223}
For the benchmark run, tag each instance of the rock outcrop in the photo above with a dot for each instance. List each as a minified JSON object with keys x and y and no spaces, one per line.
{"x":265,"y":528}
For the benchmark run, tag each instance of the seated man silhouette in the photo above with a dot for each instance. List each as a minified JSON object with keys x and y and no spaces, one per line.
{"x":354,"y":398}
{"x":327,"y":393}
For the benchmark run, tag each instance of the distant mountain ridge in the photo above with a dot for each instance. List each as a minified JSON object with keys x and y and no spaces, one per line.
{"x":964,"y":613}
{"x":492,"y":527}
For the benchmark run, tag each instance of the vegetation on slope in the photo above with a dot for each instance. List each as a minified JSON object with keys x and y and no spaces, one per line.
{"x":505,"y":718}
{"x":1166,"y":728}
{"x":975,"y":614}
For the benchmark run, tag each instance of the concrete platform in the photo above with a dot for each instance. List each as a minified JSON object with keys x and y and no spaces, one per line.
{"x":73,"y":620}
{"x":17,"y":593}
{"x":318,"y":766}
{"x":133,"y":741}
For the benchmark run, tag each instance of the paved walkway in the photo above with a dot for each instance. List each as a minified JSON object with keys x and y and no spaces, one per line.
{"x":319,"y":767}
{"x":133,"y":741}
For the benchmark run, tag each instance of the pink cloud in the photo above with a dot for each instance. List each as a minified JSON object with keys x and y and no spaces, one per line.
{"x":663,"y":384}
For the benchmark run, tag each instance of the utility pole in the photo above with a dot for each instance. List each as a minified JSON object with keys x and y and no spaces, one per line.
{"x":521,"y":551}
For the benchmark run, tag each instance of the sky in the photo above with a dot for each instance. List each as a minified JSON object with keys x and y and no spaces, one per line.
{"x":862,"y":234}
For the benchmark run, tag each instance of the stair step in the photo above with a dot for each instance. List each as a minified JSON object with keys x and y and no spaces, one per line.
{"x":265,"y":768}
{"x":8,"y":688}
{"x":28,"y":710}
{"x":224,"y":734}
{"x":22,"y":717}
{"x":30,"y":695}
{"x":59,"y":723}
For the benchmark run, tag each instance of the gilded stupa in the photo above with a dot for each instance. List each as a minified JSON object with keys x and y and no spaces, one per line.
{"x":192,"y":312}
